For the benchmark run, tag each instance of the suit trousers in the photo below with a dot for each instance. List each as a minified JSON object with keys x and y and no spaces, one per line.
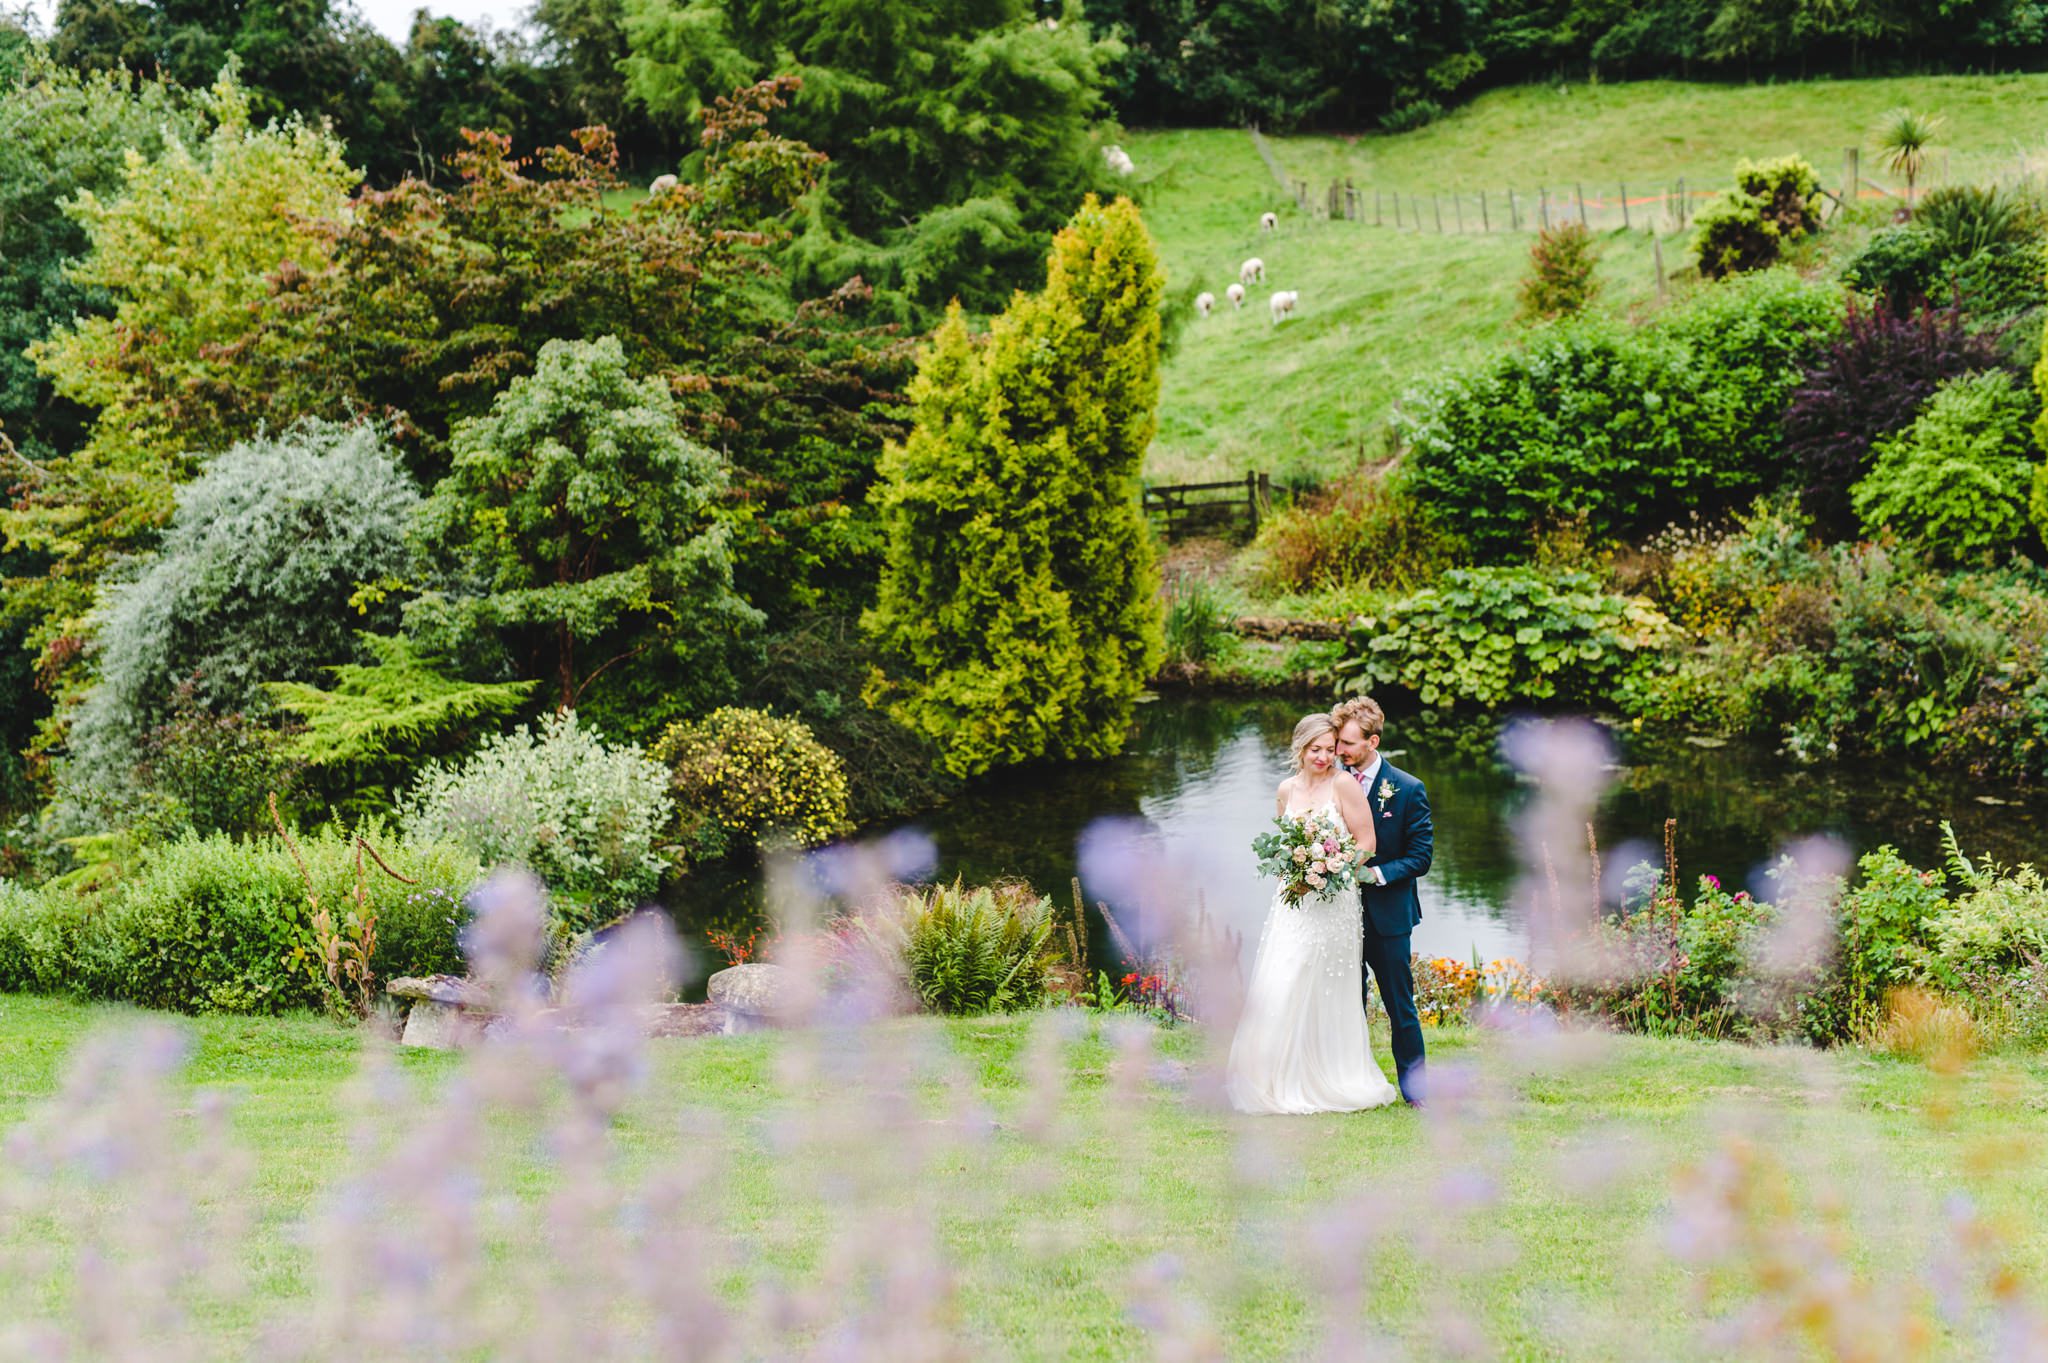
{"x":1388,"y":959}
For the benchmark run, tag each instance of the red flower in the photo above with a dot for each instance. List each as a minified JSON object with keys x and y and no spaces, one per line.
{"x":1130,"y":979}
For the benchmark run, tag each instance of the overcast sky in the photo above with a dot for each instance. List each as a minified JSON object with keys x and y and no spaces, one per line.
{"x":394,"y":17}
{"x":391,"y":17}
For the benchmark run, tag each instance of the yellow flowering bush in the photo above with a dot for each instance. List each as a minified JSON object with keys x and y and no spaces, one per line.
{"x":745,"y":777}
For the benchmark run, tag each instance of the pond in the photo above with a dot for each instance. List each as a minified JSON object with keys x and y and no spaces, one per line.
{"x":1201,"y":772}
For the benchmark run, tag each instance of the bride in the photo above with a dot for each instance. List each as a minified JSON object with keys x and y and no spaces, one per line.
{"x":1301,"y":1044}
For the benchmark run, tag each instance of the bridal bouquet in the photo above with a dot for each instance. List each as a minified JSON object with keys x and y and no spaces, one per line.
{"x":1311,"y":853}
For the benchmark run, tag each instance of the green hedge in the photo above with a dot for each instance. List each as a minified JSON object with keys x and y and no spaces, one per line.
{"x":1622,"y":431}
{"x":209,"y":924}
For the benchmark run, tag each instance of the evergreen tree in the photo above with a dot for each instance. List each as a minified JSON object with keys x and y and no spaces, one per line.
{"x":586,"y":513}
{"x":1018,"y":614}
{"x":960,"y":132}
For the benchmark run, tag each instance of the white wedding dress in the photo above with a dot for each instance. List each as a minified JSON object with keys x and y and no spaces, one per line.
{"x":1301,"y":1044}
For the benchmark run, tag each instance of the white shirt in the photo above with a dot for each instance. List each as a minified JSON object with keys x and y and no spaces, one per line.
{"x":1365,"y":776}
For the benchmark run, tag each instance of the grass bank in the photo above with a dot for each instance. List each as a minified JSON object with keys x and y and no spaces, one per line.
{"x":1382,"y":309}
{"x":1538,"y":1209}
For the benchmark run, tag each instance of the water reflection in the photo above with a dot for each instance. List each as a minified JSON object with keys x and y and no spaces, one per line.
{"x":1202,"y":773}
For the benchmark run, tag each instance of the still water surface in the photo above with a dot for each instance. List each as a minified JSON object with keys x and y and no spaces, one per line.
{"x":1201,"y":772}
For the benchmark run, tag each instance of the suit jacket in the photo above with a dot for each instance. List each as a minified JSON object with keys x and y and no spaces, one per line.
{"x":1407,"y":842}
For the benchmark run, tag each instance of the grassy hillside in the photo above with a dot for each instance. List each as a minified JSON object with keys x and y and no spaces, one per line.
{"x":1382,"y":309}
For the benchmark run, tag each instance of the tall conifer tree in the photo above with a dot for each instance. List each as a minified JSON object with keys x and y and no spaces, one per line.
{"x":1018,"y":613}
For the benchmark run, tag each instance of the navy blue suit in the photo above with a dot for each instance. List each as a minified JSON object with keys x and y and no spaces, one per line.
{"x":1400,"y":814}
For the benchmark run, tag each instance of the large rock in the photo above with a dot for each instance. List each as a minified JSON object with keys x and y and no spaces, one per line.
{"x":752,"y":996}
{"x":446,"y":1013}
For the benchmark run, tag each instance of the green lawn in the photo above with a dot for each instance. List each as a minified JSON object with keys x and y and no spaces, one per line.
{"x":1537,"y":1211}
{"x":1383,"y":309}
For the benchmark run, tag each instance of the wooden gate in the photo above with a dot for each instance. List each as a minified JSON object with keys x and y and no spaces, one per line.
{"x":1193,"y":507}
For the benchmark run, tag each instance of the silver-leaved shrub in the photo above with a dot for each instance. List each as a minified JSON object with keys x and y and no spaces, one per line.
{"x":583,"y":815}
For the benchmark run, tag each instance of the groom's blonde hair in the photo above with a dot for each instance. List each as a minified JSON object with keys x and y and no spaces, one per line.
{"x":1308,"y":731}
{"x":1363,"y":711}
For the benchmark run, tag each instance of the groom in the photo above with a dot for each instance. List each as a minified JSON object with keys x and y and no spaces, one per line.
{"x":1400,"y":809}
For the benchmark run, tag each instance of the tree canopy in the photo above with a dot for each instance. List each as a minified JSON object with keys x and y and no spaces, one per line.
{"x":959,"y":133}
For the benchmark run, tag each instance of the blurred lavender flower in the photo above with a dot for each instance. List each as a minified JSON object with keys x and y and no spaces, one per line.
{"x":1568,"y":762}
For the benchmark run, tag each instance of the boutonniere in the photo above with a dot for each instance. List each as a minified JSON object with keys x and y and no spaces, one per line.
{"x":1386,"y":793}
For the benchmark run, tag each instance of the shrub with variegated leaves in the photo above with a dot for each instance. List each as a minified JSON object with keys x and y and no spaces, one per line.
{"x":742,"y":778}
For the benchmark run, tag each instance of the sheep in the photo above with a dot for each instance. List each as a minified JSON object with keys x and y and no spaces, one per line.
{"x":1119,"y":160}
{"x":1235,"y":293}
{"x":1205,"y":303}
{"x":1269,"y":222}
{"x":1282,"y":303}
{"x":662,"y":185}
{"x":1253,"y":271}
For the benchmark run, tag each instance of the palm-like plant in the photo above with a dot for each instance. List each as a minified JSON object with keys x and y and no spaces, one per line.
{"x":1903,"y":139}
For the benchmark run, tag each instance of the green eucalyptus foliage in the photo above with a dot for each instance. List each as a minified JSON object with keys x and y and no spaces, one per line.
{"x":586,"y":515}
{"x":1491,"y":637}
{"x":252,"y":583}
{"x":1017,"y":614}
{"x":1956,"y":482}
{"x":960,"y":134}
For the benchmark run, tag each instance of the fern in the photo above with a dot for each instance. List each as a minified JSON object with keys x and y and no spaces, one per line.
{"x":1961,"y":867}
{"x":975,"y":951}
{"x":391,"y":710}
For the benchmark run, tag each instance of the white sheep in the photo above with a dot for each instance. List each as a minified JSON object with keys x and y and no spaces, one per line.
{"x":1253,"y":271}
{"x":662,"y":185}
{"x":1269,"y":222}
{"x":1282,"y":303}
{"x":1119,"y":160}
{"x":1205,"y":303}
{"x":1235,"y":293}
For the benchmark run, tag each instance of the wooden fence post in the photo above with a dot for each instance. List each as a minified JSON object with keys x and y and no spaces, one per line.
{"x":1851,"y":175}
{"x":1251,"y":499}
{"x":1543,"y":207}
{"x":1579,"y":193}
{"x":1657,"y":263}
{"x":1397,"y":212}
{"x":1514,"y":217}
{"x":1377,"y":211}
{"x":1458,"y":207}
{"x":1684,"y":204}
{"x":1625,"y":225}
{"x":1436,"y":202}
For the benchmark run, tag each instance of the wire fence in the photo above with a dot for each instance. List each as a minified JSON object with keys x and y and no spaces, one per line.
{"x":1650,"y":204}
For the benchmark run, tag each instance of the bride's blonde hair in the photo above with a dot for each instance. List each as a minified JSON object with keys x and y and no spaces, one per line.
{"x":1308,"y":731}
